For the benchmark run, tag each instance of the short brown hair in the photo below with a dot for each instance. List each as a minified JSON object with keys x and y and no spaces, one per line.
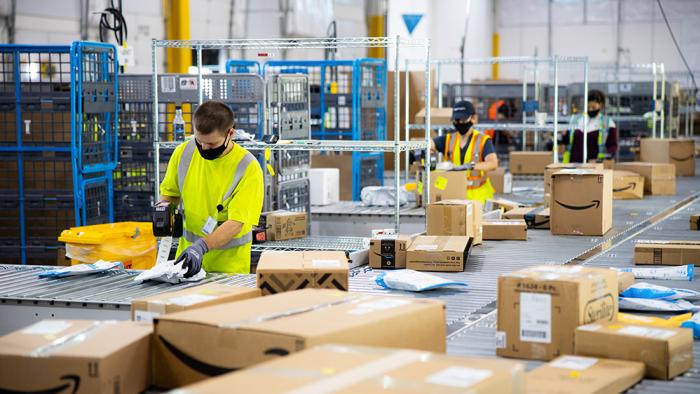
{"x":213,"y":116}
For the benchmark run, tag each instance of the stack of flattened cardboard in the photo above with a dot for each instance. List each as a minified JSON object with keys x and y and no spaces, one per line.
{"x":148,"y":308}
{"x":667,"y":352}
{"x":662,"y":252}
{"x":659,"y":178}
{"x":195,"y":345}
{"x":278,"y":272}
{"x":353,"y":369}
{"x":581,"y":202}
{"x":583,"y":375}
{"x":69,"y":356}
{"x":539,"y":308}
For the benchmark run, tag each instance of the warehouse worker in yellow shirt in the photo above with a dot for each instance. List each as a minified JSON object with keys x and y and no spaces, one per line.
{"x":219,"y":186}
{"x":468,"y":149}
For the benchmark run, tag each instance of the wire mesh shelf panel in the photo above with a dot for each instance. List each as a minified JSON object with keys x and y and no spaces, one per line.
{"x":133,"y":205}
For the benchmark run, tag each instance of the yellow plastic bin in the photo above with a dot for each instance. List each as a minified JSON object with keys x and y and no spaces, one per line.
{"x":131,"y":243}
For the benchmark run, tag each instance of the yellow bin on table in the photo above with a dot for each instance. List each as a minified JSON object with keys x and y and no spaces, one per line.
{"x":131,"y":243}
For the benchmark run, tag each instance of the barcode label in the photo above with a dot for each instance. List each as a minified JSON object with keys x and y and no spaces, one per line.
{"x":536,"y":317}
{"x":500,"y":339}
{"x":167,"y":84}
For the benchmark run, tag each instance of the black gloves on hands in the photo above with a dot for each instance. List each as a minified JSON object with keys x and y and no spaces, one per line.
{"x":191,"y":258}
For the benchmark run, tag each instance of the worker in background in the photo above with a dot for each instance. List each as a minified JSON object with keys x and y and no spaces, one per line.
{"x":219,"y":185}
{"x":602,"y":133}
{"x":470,"y":150}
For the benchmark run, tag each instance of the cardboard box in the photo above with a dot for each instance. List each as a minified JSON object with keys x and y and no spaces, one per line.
{"x":624,"y":280}
{"x":529,"y":162}
{"x":677,"y":151}
{"x":65,"y":356}
{"x":325,"y":185}
{"x":501,"y":180}
{"x":278,"y":272}
{"x":536,"y":218}
{"x":695,"y":222}
{"x":660,"y":252}
{"x":438,"y":116}
{"x":354,"y":369}
{"x":438,"y":253}
{"x":502,"y":204}
{"x":583,"y":375}
{"x":451,"y":217}
{"x":666,"y":352}
{"x":504,"y":229}
{"x":389,"y":252}
{"x":281,"y":225}
{"x":550,"y":169}
{"x":448,"y":185}
{"x":343,"y":162}
{"x":478,"y":219}
{"x":659,"y":178}
{"x":581,"y":202}
{"x":194,"y":345}
{"x":627,"y":185}
{"x":148,"y":308}
{"x":539,"y":308}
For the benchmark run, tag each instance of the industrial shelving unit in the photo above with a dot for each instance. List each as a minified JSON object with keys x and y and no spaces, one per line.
{"x":529,"y":90}
{"x":58,"y":108}
{"x":397,"y":146}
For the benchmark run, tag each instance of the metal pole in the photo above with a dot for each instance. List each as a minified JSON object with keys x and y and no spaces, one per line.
{"x":555,"y":119}
{"x":535,"y":133}
{"x":663,"y":101}
{"x":397,"y":119}
{"x":438,"y":81}
{"x":428,"y":92}
{"x":523,"y":106}
{"x":585,"y":112}
{"x":156,"y":134}
{"x":199,"y":74}
{"x":654,"y":92}
{"x":407,"y":133}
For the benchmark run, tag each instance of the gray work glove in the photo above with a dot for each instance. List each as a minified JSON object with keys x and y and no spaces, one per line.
{"x":191,"y":258}
{"x":464,"y":167}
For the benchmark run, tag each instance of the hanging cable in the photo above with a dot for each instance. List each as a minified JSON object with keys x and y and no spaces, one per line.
{"x":111,"y":19}
{"x":675,"y":42}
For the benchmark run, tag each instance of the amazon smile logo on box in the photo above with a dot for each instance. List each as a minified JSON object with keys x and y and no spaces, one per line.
{"x":70,"y":381}
{"x":594,"y":204}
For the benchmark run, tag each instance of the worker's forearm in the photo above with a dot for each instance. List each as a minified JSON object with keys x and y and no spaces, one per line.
{"x":486,"y":166}
{"x":170,"y":199}
{"x":223,"y":234}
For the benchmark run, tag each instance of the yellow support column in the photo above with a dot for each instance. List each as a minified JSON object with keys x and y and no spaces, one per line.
{"x":177,"y":16}
{"x":494,"y":53}
{"x":376,"y":25}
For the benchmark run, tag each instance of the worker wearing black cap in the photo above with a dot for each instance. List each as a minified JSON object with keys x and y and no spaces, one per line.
{"x":470,"y":150}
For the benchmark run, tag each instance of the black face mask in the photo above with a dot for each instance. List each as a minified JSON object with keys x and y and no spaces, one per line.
{"x":213,"y":153}
{"x":593,"y":113}
{"x":463,"y":128}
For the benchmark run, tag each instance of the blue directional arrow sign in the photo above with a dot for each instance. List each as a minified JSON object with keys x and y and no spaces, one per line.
{"x":411,"y":21}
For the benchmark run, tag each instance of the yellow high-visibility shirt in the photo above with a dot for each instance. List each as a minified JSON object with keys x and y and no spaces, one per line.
{"x":205,"y":184}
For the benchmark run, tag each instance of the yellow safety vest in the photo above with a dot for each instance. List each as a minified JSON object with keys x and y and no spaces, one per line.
{"x":602,"y":139}
{"x":479,"y":185}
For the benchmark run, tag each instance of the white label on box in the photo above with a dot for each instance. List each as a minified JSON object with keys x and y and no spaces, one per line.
{"x":458,"y":376}
{"x":590,"y":327}
{"x":501,"y":340}
{"x":167,"y":84}
{"x":319,"y":263}
{"x":190,"y":299}
{"x":46,"y":327}
{"x":145,"y":316}
{"x":536,"y":317}
{"x":426,"y":247}
{"x":573,"y":362}
{"x":647,"y":332}
{"x":378,"y":305}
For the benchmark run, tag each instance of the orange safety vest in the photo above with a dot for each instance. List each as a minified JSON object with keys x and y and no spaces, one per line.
{"x":479,"y":186}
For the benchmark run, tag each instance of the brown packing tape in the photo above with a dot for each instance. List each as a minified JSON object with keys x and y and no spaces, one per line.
{"x":69,"y":339}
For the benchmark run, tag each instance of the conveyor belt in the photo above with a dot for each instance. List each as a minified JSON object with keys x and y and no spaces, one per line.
{"x":356,"y":208}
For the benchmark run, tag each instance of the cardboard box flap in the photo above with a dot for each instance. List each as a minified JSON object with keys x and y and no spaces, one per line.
{"x":273,"y":261}
{"x":72,"y":338}
{"x":442,"y":243}
{"x":364,"y":369}
{"x":662,"y":244}
{"x":578,"y":171}
{"x":560,"y":272}
{"x":206,"y":291}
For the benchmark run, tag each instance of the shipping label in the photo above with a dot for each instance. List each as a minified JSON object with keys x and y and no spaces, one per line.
{"x":536,"y":317}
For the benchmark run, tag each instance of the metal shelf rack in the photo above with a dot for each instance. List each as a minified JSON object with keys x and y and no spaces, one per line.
{"x":391,"y":43}
{"x":58,"y":108}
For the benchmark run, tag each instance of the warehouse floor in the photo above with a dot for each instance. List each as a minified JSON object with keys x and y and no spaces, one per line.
{"x":470,"y":312}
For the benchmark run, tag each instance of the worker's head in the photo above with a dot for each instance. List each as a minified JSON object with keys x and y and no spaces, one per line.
{"x":213,"y":128}
{"x":464,"y":116}
{"x":596,"y":102}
